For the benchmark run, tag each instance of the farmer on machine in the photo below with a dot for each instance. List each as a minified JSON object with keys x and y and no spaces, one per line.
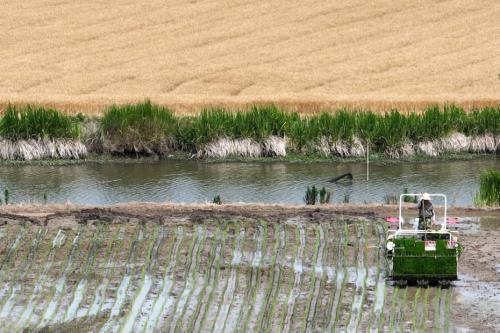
{"x":425,"y":212}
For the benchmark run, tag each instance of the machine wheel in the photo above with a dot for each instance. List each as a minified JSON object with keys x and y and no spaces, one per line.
{"x":444,"y":283}
{"x":401,"y":283}
{"x":423,"y":283}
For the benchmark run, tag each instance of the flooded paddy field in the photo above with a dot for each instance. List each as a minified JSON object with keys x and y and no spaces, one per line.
{"x":244,"y":268}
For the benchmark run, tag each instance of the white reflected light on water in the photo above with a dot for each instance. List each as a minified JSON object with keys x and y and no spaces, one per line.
{"x":269,"y":182}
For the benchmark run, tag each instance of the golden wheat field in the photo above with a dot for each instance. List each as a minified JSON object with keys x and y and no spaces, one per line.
{"x":305,"y":55}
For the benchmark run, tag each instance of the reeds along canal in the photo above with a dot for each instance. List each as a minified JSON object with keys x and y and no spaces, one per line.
{"x":34,"y":132}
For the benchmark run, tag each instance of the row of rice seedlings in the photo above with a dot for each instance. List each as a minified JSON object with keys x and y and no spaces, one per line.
{"x":58,"y":289}
{"x":168,"y":281}
{"x":266,"y":316}
{"x":370,"y":278}
{"x":190,"y":279}
{"x":333,"y":258}
{"x":361,"y":275}
{"x":144,"y":285}
{"x":121,"y":292}
{"x":341,"y":278}
{"x":325,"y":272}
{"x":57,"y":243}
{"x":32,"y":122}
{"x":256,"y":279}
{"x":211,"y":292}
{"x":11,"y":252}
{"x":415,"y":311}
{"x":203,"y":276}
{"x":377,"y":309}
{"x":447,"y":310}
{"x":139,"y":283}
{"x":87,"y":268}
{"x":489,"y":189}
{"x":403,"y":304}
{"x":298,"y":272}
{"x":230,"y":285}
{"x":437,"y":308}
{"x":288,"y":286}
{"x":425,"y":310}
{"x":100,"y":292}
{"x":156,"y":284}
{"x":214,"y":312}
{"x":394,"y":309}
{"x":260,"y":240}
{"x":207,"y":277}
{"x":316,"y":273}
{"x":15,"y":287}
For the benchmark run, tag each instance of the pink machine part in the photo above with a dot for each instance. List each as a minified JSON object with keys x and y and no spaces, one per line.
{"x":392,"y":219}
{"x":452,"y":220}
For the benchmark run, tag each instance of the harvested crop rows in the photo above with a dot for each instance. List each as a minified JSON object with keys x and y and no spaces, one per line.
{"x":134,"y":274}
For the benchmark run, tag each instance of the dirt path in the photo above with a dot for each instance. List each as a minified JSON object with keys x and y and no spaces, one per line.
{"x":267,"y":268}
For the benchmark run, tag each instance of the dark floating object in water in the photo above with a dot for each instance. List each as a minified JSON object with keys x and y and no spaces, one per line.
{"x":345,"y":175}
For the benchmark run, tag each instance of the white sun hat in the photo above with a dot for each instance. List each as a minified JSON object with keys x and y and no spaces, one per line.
{"x":426,"y":196}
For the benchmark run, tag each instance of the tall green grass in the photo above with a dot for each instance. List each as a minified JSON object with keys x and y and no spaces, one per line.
{"x":31,"y":122}
{"x":489,"y":189}
{"x":141,"y":127}
{"x":146,"y":127}
{"x":389,"y":130}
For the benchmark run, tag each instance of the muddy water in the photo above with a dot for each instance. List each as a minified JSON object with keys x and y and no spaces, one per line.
{"x":195,"y":181}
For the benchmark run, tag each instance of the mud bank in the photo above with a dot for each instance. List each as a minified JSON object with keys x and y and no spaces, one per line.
{"x":155,"y":267}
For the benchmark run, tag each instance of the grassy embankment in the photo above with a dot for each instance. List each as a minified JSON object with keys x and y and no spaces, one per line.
{"x":148,"y":129}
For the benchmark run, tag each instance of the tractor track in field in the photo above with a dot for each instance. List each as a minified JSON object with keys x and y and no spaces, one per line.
{"x":205,"y":270}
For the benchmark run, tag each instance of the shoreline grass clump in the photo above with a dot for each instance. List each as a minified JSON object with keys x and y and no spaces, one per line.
{"x":489,"y":189}
{"x":32,"y":133}
{"x":31,"y":122}
{"x":141,"y":128}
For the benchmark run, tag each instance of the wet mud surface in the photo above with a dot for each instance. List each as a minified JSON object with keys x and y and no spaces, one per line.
{"x":172,"y":268}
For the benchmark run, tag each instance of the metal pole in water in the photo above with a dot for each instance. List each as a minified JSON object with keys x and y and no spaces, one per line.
{"x":367,"y":161}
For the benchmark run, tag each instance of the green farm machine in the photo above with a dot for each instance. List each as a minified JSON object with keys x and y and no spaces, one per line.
{"x":422,"y":256}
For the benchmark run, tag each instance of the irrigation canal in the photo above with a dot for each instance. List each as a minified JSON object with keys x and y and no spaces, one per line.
{"x":267,"y":182}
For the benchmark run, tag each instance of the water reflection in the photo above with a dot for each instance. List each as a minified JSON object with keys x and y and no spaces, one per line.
{"x":194,"y":181}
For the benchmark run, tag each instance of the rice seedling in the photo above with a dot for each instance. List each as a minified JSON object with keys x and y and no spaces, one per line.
{"x":311,"y":195}
{"x":489,"y":189}
{"x":324,"y":196}
{"x":141,"y":128}
{"x":31,"y":122}
{"x":217,"y":200}
{"x":6,"y":195}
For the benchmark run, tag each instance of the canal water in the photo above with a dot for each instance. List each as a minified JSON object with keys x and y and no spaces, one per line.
{"x":265,"y":182}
